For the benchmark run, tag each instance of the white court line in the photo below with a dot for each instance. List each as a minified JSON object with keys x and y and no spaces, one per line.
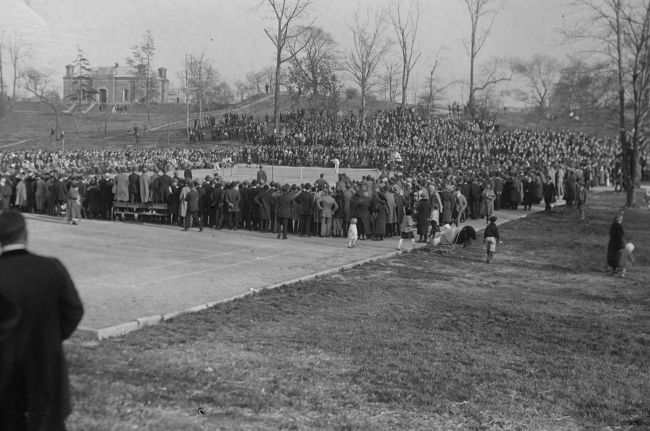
{"x":15,"y":143}
{"x":175,"y":277}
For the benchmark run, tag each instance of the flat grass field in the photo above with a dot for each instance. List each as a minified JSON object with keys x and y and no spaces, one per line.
{"x":541,"y":339}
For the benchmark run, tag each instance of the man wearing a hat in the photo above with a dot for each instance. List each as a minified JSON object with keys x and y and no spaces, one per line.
{"x":283,"y":210}
{"x":45,"y":310}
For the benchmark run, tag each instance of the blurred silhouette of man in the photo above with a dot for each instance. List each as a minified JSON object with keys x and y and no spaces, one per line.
{"x":40,"y":308}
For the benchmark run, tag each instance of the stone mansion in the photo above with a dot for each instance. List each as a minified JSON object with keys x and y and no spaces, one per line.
{"x":116,"y":85}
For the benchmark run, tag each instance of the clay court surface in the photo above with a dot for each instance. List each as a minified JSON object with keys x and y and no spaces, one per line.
{"x":124,"y":271}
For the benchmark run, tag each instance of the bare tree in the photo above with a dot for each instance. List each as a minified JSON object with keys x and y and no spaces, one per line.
{"x":18,"y":51}
{"x":201,"y":80}
{"x":390,"y":77}
{"x":492,"y":72}
{"x":542,"y":73}
{"x":312,"y":69}
{"x":142,"y":57}
{"x":286,"y":14}
{"x":255,"y":80}
{"x":39,"y":85}
{"x":405,"y":25}
{"x":478,"y":11}
{"x":240,"y":88}
{"x":621,"y":31}
{"x":585,"y":85}
{"x":2,"y":79}
{"x":368,"y":48}
{"x":269,"y":76}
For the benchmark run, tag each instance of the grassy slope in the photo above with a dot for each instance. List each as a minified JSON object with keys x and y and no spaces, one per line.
{"x":540,"y":339}
{"x":33,"y":121}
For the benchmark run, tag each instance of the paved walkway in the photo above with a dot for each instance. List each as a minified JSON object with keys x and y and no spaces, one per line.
{"x":131,"y":275}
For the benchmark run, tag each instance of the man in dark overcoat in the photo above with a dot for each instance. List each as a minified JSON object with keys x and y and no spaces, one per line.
{"x":193,"y":208}
{"x":105,"y":196}
{"x":283,"y":210}
{"x":263,"y":202}
{"x":34,"y":390}
{"x":306,"y":201}
{"x":134,"y":186}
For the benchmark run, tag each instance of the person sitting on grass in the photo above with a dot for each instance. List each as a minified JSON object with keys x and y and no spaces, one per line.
{"x":491,"y":238}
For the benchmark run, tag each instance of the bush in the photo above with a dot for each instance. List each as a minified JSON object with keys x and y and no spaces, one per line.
{"x":351,"y":93}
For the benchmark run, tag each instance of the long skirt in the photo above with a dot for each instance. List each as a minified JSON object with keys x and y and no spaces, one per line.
{"x":73,"y":209}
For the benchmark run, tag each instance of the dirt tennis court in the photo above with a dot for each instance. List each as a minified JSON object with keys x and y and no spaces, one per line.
{"x":126,"y":271}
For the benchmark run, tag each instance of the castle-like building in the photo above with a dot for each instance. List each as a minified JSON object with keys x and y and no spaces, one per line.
{"x":115,"y":85}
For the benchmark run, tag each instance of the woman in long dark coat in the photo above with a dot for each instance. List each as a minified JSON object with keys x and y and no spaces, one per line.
{"x":511,"y":193}
{"x":423,"y":211}
{"x":174,"y":203}
{"x":616,"y":243}
{"x":570,"y":189}
{"x":379,"y":210}
{"x":448,"y":204}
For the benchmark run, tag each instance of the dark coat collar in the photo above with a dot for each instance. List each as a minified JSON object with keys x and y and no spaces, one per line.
{"x":14,"y":252}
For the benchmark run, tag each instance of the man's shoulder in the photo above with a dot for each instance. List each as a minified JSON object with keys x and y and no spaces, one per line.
{"x":26,"y":257}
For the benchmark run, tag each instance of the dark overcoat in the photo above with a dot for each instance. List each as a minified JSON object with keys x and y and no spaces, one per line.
{"x":33,"y":374}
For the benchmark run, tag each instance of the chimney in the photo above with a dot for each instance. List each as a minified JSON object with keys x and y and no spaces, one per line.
{"x":69,"y":70}
{"x":117,"y":65}
{"x":162,"y":73}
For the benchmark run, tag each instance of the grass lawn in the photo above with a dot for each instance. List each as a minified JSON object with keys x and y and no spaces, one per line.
{"x":540,"y":339}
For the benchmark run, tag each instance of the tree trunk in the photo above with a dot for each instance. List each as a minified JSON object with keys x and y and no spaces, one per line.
{"x":363,"y":104}
{"x":405,"y":83}
{"x":627,"y":153}
{"x":2,"y":80}
{"x":472,"y":56}
{"x":13,"y":92}
{"x":276,"y":101}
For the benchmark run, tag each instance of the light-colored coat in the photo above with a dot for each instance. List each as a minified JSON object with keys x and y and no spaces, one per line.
{"x":121,"y":187}
{"x":182,"y":209}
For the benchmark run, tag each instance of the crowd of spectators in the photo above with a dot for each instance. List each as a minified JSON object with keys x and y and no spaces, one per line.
{"x":417,"y":159}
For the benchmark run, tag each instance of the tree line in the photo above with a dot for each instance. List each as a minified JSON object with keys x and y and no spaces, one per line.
{"x":382,"y":51}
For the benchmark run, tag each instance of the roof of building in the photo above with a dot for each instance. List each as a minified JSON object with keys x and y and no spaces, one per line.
{"x":115,"y":71}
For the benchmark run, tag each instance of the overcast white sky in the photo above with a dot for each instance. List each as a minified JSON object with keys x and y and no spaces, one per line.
{"x":231,"y":32}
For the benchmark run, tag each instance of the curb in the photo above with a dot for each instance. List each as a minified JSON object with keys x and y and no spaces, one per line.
{"x":141,"y":322}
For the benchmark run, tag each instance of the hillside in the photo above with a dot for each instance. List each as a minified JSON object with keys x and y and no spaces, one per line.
{"x":33,"y":121}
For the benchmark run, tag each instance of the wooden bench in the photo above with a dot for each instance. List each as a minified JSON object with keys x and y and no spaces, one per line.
{"x":139,"y":210}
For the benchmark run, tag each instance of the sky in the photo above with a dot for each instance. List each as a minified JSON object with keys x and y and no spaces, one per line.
{"x":231,"y":32}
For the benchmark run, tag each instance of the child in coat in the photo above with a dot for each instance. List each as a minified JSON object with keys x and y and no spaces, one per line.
{"x":353,"y":234}
{"x":491,"y":238}
{"x":626,"y":259}
{"x":406,"y":230}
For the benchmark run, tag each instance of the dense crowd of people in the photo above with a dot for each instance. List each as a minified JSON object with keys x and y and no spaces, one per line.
{"x":444,"y":170}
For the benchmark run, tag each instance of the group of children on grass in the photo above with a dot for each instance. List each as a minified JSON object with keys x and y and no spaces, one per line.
{"x":490,"y":235}
{"x":491,"y":238}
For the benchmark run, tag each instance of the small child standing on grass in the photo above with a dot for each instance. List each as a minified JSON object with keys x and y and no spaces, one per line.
{"x":626,"y":258}
{"x":406,"y":230}
{"x":353,"y":234}
{"x":491,"y":238}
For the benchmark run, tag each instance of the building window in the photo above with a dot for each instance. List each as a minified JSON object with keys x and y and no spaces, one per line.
{"x":125,"y":95}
